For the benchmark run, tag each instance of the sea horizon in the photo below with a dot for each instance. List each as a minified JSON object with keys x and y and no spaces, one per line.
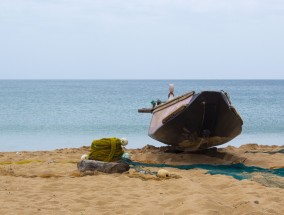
{"x":139,"y":79}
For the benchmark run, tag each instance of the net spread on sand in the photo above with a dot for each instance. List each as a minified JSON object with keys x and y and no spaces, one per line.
{"x":238,"y":171}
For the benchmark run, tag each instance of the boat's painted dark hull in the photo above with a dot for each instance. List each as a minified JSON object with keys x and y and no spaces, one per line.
{"x":196,"y":121}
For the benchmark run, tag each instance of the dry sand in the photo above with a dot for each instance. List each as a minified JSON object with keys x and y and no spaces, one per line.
{"x":47,"y":182}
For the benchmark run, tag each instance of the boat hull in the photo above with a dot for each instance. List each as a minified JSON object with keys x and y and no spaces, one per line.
{"x":196,"y":121}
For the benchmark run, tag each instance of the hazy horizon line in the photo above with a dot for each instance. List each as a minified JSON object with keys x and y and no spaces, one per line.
{"x":138,"y":79}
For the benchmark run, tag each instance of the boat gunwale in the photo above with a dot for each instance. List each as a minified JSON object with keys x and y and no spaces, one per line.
{"x":173,"y":101}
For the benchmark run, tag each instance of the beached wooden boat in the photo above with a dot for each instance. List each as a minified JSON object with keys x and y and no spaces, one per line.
{"x":195,"y":121}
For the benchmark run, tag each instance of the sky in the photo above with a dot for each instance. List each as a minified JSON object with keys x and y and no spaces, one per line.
{"x":141,"y":39}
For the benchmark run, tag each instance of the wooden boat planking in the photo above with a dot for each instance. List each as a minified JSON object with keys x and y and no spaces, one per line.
{"x":195,"y":121}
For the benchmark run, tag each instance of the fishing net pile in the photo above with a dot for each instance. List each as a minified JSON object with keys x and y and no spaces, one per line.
{"x":106,"y":149}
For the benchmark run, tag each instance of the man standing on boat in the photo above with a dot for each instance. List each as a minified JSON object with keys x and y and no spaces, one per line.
{"x":171,"y":93}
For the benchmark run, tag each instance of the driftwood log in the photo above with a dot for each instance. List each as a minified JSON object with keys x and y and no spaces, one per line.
{"x":106,"y":167}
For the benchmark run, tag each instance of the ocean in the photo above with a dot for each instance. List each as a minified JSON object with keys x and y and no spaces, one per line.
{"x":51,"y":114}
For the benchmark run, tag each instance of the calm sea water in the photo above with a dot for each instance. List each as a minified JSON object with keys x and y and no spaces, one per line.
{"x":49,"y":114}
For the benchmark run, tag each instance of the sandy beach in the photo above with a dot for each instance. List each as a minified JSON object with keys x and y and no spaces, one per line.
{"x":47,"y":182}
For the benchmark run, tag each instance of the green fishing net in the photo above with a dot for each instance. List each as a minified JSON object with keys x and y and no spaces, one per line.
{"x":106,"y":149}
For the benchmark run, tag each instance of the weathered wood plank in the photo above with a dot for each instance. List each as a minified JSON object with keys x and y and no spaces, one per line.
{"x":106,"y":167}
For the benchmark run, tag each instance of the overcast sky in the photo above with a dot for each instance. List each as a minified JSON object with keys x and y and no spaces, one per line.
{"x":141,"y":39}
